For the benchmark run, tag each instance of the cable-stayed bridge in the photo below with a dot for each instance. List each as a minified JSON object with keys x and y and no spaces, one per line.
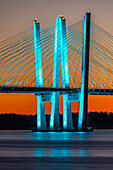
{"x":69,"y":60}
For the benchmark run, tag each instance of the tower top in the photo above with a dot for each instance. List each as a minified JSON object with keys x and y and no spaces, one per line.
{"x":62,"y":17}
{"x":36,"y":20}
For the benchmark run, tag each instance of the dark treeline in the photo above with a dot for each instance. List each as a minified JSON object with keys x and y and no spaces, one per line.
{"x":14,"y":121}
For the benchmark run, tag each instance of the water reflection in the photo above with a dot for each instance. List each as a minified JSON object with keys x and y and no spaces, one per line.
{"x":82,"y":153}
{"x":54,"y":144}
{"x":66,"y":150}
{"x":42,"y":152}
{"x":82,"y":135}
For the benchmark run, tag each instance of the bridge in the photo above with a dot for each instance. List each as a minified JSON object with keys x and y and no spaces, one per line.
{"x":70,"y":60}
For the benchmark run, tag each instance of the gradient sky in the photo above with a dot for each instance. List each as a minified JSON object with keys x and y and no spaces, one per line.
{"x":17,"y":15}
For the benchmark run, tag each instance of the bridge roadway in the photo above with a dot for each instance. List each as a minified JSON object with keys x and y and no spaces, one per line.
{"x":48,"y":90}
{"x":26,"y":150}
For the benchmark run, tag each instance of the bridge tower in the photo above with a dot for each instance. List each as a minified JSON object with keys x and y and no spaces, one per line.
{"x":83,"y":110}
{"x":60,"y":56}
{"x":41,"y":119}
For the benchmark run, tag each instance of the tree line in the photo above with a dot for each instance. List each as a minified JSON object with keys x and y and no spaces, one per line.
{"x":97,"y":120}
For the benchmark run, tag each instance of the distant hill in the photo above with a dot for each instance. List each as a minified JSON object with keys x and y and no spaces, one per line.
{"x":18,"y":122}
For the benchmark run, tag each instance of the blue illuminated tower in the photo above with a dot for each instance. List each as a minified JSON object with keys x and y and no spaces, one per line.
{"x":41,"y":119}
{"x":60,"y":56}
{"x":61,"y":59}
{"x":83,"y":110}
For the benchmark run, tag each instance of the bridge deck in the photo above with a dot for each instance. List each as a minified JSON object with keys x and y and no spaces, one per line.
{"x":46,"y":90}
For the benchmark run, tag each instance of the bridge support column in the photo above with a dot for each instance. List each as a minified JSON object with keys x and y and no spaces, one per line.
{"x":54,"y":119}
{"x":83,"y":110}
{"x":60,"y":56}
{"x":41,"y":119}
{"x":67,"y":115}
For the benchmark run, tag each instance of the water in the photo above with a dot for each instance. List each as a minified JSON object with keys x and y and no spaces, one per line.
{"x":28,"y":150}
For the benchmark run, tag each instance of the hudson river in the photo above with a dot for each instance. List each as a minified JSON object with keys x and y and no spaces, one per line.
{"x":26,"y":150}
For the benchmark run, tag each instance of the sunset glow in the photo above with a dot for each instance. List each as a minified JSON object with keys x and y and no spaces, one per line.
{"x":26,"y":104}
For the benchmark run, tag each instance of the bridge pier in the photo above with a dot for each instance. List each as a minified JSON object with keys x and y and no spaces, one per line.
{"x":54,"y":118}
{"x":67,"y":115}
{"x":60,"y":56}
{"x":83,"y":110}
{"x":41,"y":119}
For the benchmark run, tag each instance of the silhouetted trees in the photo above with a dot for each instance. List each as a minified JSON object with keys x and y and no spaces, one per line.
{"x":100,"y":120}
{"x":14,"y":121}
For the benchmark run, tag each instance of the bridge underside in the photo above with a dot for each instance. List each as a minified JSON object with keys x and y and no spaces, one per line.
{"x":46,"y":90}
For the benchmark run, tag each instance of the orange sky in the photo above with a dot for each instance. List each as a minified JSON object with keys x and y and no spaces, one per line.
{"x":26,"y":104}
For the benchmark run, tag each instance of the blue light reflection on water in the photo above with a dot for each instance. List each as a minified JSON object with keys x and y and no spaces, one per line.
{"x":58,"y":144}
{"x":82,"y":135}
{"x":82,"y":153}
{"x":55,"y":144}
{"x":56,"y":150}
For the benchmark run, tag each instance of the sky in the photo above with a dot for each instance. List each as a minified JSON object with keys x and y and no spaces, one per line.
{"x":17,"y":15}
